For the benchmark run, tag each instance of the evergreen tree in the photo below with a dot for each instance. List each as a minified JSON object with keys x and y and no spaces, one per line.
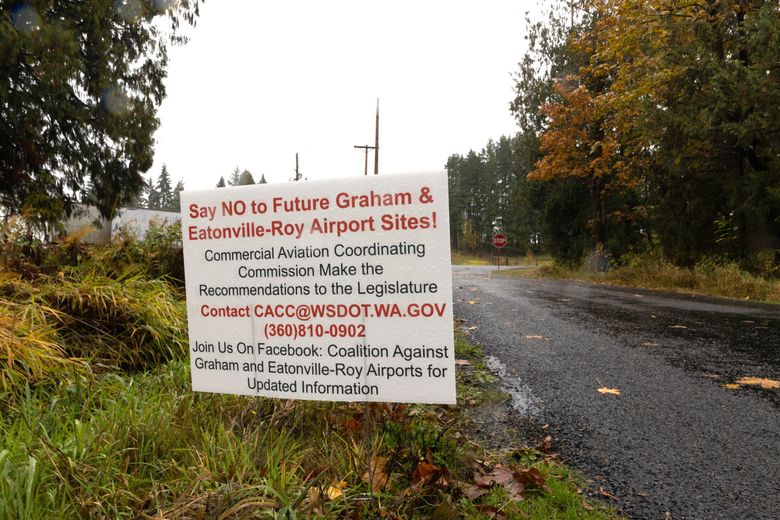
{"x":235,"y":177}
{"x":176,"y":199}
{"x":262,"y":179}
{"x":700,"y":97}
{"x":221,"y":183}
{"x":153,"y":198}
{"x":245,"y":178}
{"x":161,"y":196}
{"x":80,"y":84}
{"x":139,"y":200}
{"x":457,"y":199}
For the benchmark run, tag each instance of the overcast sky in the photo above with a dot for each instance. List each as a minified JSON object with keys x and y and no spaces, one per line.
{"x":260,"y":81}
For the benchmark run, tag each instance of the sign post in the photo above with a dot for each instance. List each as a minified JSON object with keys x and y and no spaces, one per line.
{"x":334,"y":290}
{"x":499,"y":241}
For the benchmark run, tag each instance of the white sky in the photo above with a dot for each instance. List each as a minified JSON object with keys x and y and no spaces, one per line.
{"x":260,"y":81}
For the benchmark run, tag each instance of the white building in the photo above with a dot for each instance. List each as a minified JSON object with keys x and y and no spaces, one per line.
{"x":136,"y":220}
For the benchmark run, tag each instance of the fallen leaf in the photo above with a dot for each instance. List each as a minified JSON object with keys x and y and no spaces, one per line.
{"x":473,"y":302}
{"x":499,"y":476}
{"x":473,"y":327}
{"x":603,"y":492}
{"x":471,"y":491}
{"x":545,"y":444}
{"x":462,"y":362}
{"x":335,"y":491}
{"x":649,"y":344}
{"x":375,"y":475}
{"x":766,"y":384}
{"x":492,"y":512}
{"x":731,"y":386}
{"x":677,"y":327}
{"x":536,"y":336}
{"x":605,"y":390}
{"x":513,"y":482}
{"x":531,"y":477}
{"x":426,"y":472}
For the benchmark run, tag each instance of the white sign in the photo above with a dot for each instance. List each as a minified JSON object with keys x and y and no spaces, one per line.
{"x":334,"y":290}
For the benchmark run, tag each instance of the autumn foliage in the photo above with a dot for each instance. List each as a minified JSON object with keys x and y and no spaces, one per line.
{"x":666,"y":116}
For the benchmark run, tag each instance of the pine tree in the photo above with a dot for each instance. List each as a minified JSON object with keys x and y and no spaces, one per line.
{"x":152,"y":195}
{"x":245,"y":178}
{"x":235,"y":177}
{"x":176,"y":199}
{"x":221,"y":183}
{"x":161,"y":197}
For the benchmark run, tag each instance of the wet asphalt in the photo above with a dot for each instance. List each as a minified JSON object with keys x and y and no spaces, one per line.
{"x":675,"y":444}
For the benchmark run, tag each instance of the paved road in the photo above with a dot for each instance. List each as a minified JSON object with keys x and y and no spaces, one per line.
{"x":675,"y":443}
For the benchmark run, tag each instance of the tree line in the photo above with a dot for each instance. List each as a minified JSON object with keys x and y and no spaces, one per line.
{"x":240,"y":178}
{"x":160,"y":194}
{"x":644,"y":125}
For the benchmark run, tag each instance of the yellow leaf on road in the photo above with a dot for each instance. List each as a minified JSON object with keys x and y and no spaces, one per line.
{"x":731,"y":386}
{"x":536,"y":336}
{"x":605,"y":390}
{"x":766,"y":384}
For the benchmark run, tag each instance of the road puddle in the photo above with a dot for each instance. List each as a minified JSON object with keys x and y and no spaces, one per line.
{"x":523,"y":400}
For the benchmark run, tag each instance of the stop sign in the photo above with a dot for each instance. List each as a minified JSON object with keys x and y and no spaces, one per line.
{"x":499,"y":240}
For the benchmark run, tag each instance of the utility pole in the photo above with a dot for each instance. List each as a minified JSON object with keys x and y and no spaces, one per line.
{"x":376,"y":141}
{"x":366,"y":148}
{"x":297,"y":173}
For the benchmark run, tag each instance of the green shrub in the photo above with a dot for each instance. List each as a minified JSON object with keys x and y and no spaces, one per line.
{"x":62,"y":321}
{"x":158,"y":255}
{"x":129,"y":320}
{"x":767,"y":263}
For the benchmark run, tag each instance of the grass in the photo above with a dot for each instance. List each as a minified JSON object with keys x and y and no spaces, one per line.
{"x":117,"y":445}
{"x":53,"y":321}
{"x":99,"y":420}
{"x":709,"y":277}
{"x":465,"y":258}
